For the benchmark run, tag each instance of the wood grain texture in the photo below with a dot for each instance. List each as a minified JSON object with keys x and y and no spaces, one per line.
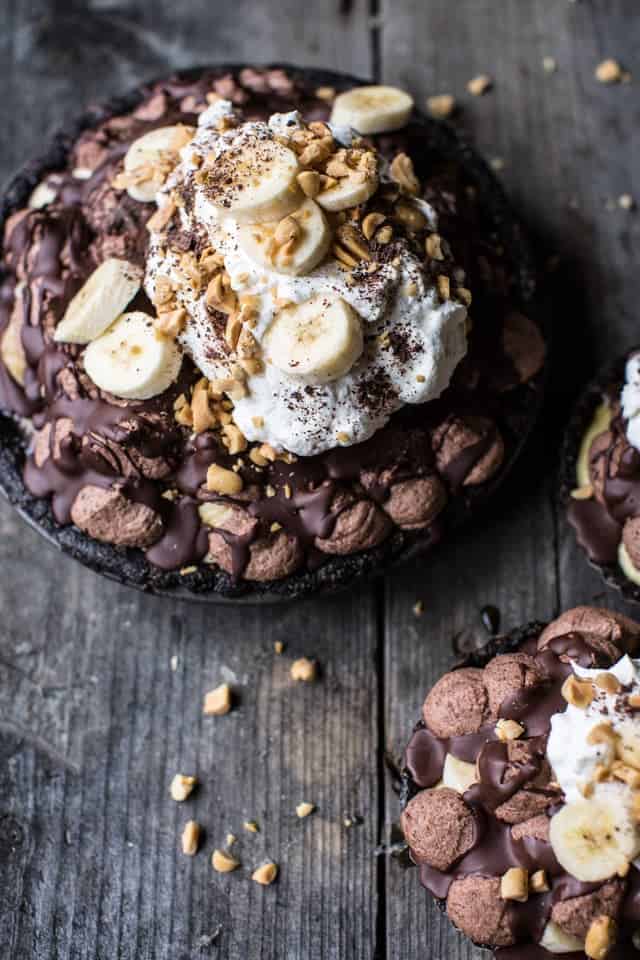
{"x":566,"y":147}
{"x":93,"y":720}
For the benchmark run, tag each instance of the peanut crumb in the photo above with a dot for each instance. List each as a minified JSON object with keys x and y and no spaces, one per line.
{"x":251,"y":826}
{"x":303,"y":669}
{"x":190,"y":838}
{"x":514,"y":885}
{"x":304,"y":809}
{"x":418,"y":608}
{"x":508,"y":730}
{"x":223,"y":862}
{"x":181,"y":787}
{"x":278,"y":646}
{"x":265,"y":874}
{"x":480,"y":84}
{"x":217,"y":702}
{"x":538,"y":882}
{"x":608,"y":71}
{"x":441,"y":105}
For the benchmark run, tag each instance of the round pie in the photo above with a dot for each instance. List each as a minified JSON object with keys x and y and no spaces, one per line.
{"x":261,"y":332}
{"x":522,"y":790}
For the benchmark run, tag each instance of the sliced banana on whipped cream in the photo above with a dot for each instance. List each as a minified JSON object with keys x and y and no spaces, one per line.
{"x":150,"y":159}
{"x":294,"y":245}
{"x":372,"y":109}
{"x":596,"y":838}
{"x":131,"y":360}
{"x":254,"y":179}
{"x":102,"y":298}
{"x":317,"y":323}
{"x":317,"y":341}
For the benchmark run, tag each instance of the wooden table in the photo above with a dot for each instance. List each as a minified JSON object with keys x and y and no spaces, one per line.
{"x":94,"y":722}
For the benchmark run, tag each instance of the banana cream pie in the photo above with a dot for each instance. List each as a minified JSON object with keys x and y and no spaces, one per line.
{"x":602,"y":474}
{"x":261,"y":329}
{"x":522,"y":791}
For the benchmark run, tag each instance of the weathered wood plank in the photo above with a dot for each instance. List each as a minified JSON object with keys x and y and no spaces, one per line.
{"x":93,"y":721}
{"x":567,"y":146}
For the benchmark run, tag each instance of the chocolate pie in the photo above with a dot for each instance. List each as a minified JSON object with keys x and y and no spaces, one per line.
{"x":601,"y":474}
{"x":522,"y":790}
{"x":260,"y":330}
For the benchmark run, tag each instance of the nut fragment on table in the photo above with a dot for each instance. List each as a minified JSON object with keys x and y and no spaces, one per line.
{"x":304,"y":669}
{"x":191,"y":838}
{"x":265,"y":874}
{"x":182,"y":786}
{"x":609,"y":71}
{"x":217,"y":702}
{"x":480,"y":85}
{"x":223,"y":862}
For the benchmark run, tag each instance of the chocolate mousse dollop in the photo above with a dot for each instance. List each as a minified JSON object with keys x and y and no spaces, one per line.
{"x":151,"y":311}
{"x":523,"y":791}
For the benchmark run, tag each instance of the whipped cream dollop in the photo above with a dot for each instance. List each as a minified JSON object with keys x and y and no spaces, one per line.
{"x":572,"y":758}
{"x":413,"y":339}
{"x":630,"y":399}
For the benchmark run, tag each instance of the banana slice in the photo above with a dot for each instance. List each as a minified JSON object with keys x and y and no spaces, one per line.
{"x":594,"y":838}
{"x":458,"y":774}
{"x":316,"y":341}
{"x":255,"y":182}
{"x":296,"y":256}
{"x":600,"y":423}
{"x":628,"y":743}
{"x":131,"y":360}
{"x":625,"y":564}
{"x":11,"y":349}
{"x":374,"y":109}
{"x":150,"y":152}
{"x":555,"y":940}
{"x":41,"y":196}
{"x":96,"y":305}
{"x":348,"y":192}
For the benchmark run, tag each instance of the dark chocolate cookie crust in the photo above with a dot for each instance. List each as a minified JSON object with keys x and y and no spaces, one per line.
{"x":610,"y":375}
{"x":129,"y":566}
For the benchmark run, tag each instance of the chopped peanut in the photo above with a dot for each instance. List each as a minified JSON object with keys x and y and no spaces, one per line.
{"x":217,"y":702}
{"x":190,"y":838}
{"x":266,"y":874}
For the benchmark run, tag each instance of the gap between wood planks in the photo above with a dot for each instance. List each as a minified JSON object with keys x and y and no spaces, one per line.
{"x":380,"y":932}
